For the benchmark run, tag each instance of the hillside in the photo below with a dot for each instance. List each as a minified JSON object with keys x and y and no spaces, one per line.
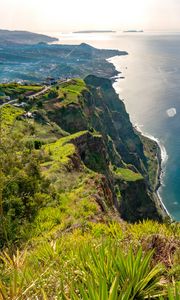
{"x":77,"y":192}
{"x":23,"y":37}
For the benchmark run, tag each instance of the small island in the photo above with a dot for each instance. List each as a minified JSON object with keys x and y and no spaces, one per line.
{"x":95,"y":31}
{"x":133,"y":31}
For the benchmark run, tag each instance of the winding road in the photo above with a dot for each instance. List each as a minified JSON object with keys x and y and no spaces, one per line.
{"x":43,"y":91}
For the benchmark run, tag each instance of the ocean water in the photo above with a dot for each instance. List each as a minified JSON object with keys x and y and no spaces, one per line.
{"x":150,"y":90}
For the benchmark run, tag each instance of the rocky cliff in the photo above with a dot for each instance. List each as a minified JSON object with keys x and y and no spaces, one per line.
{"x":111,"y":146}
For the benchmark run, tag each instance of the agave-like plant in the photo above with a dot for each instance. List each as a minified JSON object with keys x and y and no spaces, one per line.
{"x":19,"y":281}
{"x":101,"y":293}
{"x":111,"y":275}
{"x":137,"y":276}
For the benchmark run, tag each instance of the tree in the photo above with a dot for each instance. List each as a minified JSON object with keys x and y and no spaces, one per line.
{"x":20,"y":178}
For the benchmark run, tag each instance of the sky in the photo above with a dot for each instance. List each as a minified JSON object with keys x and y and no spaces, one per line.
{"x":71,"y":15}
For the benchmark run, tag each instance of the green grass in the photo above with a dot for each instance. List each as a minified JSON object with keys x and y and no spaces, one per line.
{"x":128,"y":175}
{"x":31,"y":129}
{"x":62,"y":149}
{"x":76,"y":85}
{"x":72,"y":90}
{"x":8,"y":114}
{"x":15,"y":89}
{"x":65,"y":94}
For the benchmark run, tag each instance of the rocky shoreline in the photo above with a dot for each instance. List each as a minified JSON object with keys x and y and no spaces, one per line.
{"x":160,"y":157}
{"x":163,"y":208}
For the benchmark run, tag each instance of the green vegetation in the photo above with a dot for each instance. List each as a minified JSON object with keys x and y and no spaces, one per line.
{"x":152,"y":151}
{"x":8,"y":115}
{"x":14,"y":89}
{"x":110,"y":274}
{"x":90,"y":262}
{"x":60,"y":151}
{"x":62,"y":195}
{"x":63,"y":149}
{"x":128,"y":175}
{"x":65,"y":94}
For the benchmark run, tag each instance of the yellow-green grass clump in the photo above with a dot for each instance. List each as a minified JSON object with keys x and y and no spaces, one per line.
{"x":8,"y":115}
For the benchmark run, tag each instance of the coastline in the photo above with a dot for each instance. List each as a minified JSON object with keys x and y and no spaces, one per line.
{"x":162,"y":156}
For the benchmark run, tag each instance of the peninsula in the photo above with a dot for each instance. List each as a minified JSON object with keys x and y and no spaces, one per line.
{"x":35,"y":62}
{"x":23,"y":37}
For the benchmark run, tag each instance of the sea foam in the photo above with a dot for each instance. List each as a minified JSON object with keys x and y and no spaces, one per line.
{"x":164,"y":155}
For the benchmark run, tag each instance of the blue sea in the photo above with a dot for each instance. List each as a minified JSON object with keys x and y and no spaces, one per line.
{"x":150,"y":90}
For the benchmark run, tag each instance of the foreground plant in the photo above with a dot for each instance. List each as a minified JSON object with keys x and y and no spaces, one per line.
{"x":109,"y":274}
{"x":173,"y":292}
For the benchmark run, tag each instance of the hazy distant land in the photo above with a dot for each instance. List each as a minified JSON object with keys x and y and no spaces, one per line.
{"x":24,"y":37}
{"x":33,"y":59}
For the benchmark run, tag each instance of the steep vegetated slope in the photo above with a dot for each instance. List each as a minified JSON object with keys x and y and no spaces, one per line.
{"x":78,"y":129}
{"x":95,"y":106}
{"x":73,"y":171}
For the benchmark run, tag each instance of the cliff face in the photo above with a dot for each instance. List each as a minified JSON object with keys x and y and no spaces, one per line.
{"x":109,"y":116}
{"x":137,"y":201}
{"x":99,"y":107}
{"x":115,"y":146}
